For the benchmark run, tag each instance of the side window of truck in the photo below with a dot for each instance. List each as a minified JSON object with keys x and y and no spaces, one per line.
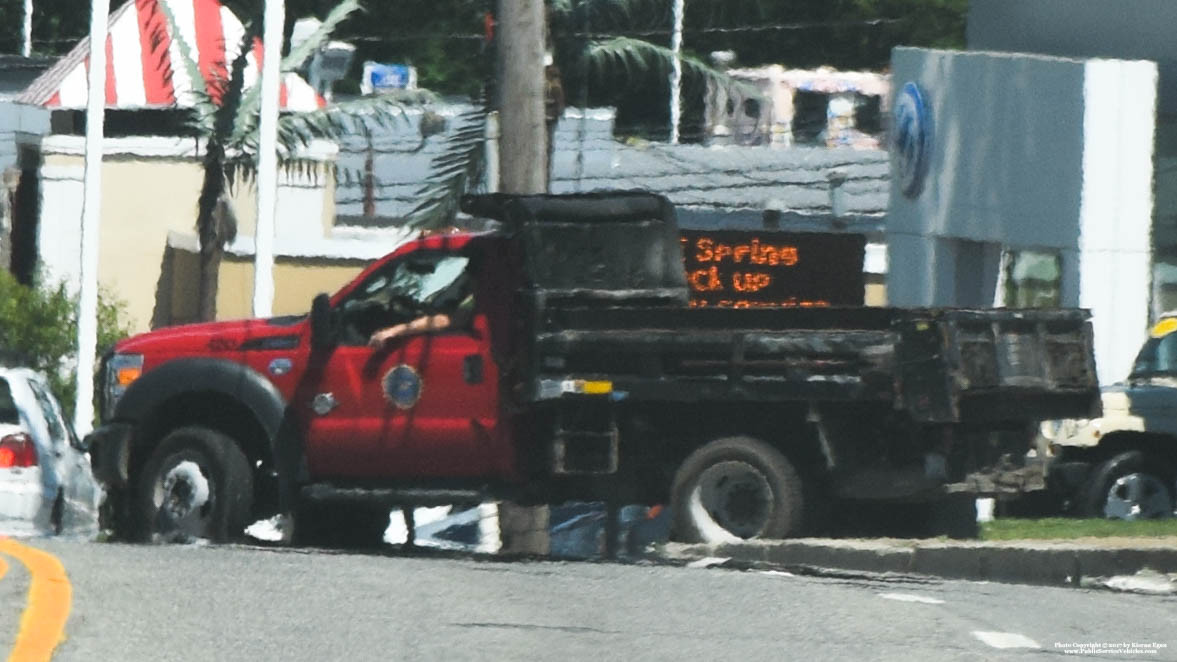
{"x":1157,"y":356}
{"x":421,"y":283}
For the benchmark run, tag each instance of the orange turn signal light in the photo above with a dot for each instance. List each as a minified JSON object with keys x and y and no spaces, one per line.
{"x":127,"y":375}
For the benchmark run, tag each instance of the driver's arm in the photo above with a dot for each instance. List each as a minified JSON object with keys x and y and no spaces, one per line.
{"x":422,"y":324}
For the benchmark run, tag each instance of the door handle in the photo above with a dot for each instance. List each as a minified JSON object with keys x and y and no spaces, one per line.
{"x":472,"y":369}
{"x":323,"y":403}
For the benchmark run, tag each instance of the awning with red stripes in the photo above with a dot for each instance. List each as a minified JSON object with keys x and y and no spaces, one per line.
{"x":144,"y":67}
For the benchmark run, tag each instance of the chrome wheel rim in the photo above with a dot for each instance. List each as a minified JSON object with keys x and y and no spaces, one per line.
{"x":183,"y":499}
{"x":732,"y":497}
{"x":1138,"y":496}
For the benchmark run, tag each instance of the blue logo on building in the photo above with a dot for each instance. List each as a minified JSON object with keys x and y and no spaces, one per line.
{"x":912,"y":139}
{"x":402,"y":386}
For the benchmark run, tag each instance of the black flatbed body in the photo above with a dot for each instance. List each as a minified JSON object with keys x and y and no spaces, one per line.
{"x":941,"y":365}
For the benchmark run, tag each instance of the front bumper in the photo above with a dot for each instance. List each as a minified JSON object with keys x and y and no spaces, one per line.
{"x":110,"y":453}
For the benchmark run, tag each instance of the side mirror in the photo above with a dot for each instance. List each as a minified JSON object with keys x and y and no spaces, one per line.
{"x":324,"y":330}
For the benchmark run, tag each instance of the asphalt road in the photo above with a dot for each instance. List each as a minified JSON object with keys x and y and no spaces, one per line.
{"x":238,"y":603}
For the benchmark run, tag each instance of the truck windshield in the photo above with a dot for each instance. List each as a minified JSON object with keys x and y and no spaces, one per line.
{"x":1157,"y":357}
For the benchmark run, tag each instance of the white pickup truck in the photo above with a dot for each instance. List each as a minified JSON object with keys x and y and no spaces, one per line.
{"x":1123,"y":465}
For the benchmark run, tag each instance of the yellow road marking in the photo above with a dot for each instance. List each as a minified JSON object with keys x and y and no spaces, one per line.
{"x":42,"y":626}
{"x":3,"y":568}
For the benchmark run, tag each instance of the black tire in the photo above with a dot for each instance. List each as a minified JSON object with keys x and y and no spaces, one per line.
{"x":733,"y":488}
{"x":1128,"y":486}
{"x":57,"y":515}
{"x":340,"y":524}
{"x":167,"y":505}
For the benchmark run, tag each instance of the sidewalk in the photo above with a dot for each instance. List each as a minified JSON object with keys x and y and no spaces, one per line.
{"x":1080,"y":562}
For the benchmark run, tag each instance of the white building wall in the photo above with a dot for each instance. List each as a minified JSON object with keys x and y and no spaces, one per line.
{"x":59,"y":236}
{"x":1115,"y":254}
{"x":1030,"y":153}
{"x":302,"y":197}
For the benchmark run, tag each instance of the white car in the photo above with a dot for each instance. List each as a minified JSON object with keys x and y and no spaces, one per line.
{"x":46,"y":486}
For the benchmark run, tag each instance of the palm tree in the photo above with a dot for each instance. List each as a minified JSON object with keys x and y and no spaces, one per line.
{"x":225,"y":116}
{"x":581,"y":46}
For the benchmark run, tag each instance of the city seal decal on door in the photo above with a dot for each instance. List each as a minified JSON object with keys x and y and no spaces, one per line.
{"x":402,"y":386}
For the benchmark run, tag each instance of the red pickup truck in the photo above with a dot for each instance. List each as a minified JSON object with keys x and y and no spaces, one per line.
{"x":579,"y":373}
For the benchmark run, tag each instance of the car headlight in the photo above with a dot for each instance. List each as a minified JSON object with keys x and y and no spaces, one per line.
{"x":121,"y":371}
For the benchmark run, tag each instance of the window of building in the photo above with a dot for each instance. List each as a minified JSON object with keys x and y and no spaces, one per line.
{"x":868,"y":116}
{"x":1032,"y":279}
{"x":809,"y":116}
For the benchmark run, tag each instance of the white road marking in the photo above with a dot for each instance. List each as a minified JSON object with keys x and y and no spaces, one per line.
{"x":1006,"y":640}
{"x":777,"y":573}
{"x":907,"y":597}
{"x":708,"y":561}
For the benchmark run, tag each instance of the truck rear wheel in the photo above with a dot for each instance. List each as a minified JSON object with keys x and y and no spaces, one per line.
{"x":197,"y":484}
{"x":1128,"y":487}
{"x":736,"y":488}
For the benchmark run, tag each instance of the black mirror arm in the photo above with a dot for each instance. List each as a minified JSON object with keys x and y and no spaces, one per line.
{"x":324,"y":323}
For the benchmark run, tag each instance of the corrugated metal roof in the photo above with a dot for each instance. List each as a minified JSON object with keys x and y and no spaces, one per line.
{"x":587,"y":158}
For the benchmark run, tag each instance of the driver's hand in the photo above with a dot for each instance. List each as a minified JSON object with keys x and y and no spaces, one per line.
{"x":382,"y":336}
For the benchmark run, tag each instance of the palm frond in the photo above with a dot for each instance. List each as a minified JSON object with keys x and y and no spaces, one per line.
{"x":244,"y":103}
{"x":298,"y":56}
{"x":633,"y":57}
{"x":204,"y":109}
{"x":355,"y":117}
{"x":296,"y":131}
{"x":456,"y":170}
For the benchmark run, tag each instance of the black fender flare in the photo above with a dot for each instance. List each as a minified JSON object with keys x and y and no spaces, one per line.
{"x":177,"y":377}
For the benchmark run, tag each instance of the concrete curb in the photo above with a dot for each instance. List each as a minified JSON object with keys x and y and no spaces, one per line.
{"x":1026,"y":562}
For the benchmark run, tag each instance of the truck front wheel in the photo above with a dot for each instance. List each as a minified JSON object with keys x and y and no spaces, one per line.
{"x":736,"y":488}
{"x":196,"y":485}
{"x":1128,"y":487}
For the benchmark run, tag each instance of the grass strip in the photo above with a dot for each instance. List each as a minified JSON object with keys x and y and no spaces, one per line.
{"x":1059,"y":528}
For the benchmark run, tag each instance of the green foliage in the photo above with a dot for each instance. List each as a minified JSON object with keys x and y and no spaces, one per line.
{"x":39,"y":329}
{"x":847,"y":34}
{"x":57,"y":26}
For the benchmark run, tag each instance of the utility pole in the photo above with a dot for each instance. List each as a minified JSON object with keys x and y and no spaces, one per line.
{"x":267,"y":159}
{"x":91,"y":219}
{"x":676,"y":72}
{"x":522,"y":130}
{"x":26,"y":43}
{"x":523,"y":168}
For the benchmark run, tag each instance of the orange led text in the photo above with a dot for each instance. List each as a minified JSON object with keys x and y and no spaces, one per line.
{"x":753,"y":252}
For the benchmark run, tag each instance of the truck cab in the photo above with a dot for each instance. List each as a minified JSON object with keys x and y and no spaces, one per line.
{"x":1123,"y":464}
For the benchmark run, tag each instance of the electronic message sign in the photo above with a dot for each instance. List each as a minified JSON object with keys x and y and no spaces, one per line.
{"x":743,"y":269}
